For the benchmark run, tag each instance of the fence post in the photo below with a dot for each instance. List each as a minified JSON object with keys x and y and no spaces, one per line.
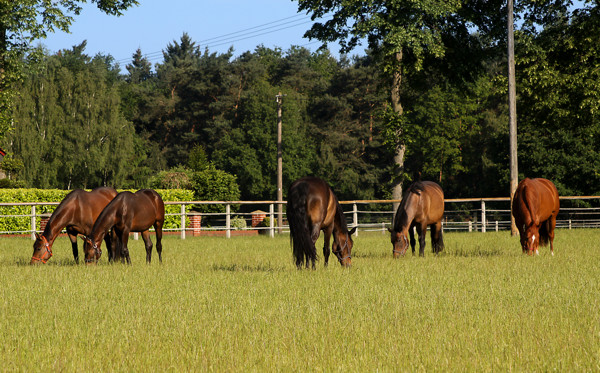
{"x":382,"y":227}
{"x":182,"y":210}
{"x":569,"y":223}
{"x":483,"y":223}
{"x":271,"y":220}
{"x":228,"y":220}
{"x":496,"y":225}
{"x":470,"y":226}
{"x":33,"y":228}
{"x":355,"y":218}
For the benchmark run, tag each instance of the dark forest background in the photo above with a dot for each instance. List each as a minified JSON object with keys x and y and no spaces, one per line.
{"x":81,"y":121}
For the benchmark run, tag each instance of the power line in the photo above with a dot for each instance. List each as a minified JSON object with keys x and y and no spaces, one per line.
{"x":236,"y":36}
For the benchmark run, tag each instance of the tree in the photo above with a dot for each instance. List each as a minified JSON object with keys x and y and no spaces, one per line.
{"x":24,"y":21}
{"x":70,"y":129}
{"x":397,"y":32}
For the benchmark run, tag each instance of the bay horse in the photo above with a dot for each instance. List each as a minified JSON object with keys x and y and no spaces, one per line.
{"x":77,"y":212}
{"x":128,"y":212}
{"x":534,"y":207}
{"x":421,"y":206}
{"x":311,"y":207}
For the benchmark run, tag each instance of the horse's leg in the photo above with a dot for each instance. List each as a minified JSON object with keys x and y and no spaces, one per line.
{"x":124,"y":249}
{"x":108,"y":239}
{"x":437,"y":240}
{"x":411,"y":235}
{"x":312,"y":255}
{"x":421,"y":231}
{"x":551,"y":225}
{"x":158,"y":228}
{"x":73,"y":238}
{"x":148,"y":244}
{"x":326,"y":240}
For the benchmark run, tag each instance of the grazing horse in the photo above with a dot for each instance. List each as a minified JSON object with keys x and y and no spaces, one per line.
{"x":312,"y":206}
{"x":128,"y":212}
{"x":422,"y":206}
{"x":77,"y":212}
{"x":534,"y":207}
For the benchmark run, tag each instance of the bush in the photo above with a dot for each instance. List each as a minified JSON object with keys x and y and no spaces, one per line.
{"x":22,"y":223}
{"x":214,"y":185}
{"x":237,"y":222}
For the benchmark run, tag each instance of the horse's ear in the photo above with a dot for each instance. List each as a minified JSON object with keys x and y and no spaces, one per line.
{"x":87,"y":239}
{"x":352,"y":231}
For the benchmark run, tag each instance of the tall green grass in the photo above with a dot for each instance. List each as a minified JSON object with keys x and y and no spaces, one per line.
{"x":241,"y":305}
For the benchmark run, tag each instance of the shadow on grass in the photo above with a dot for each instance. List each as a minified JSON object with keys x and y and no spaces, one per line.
{"x":473,"y":252}
{"x":246,"y":268}
{"x":372,"y":255}
{"x":23,"y":262}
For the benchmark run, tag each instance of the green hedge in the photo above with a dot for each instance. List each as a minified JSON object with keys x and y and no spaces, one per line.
{"x":22,"y":224}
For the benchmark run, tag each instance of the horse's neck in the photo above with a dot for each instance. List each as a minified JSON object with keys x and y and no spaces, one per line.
{"x":407,"y":214}
{"x":338,"y":225}
{"x":60,"y":219}
{"x":104,"y":222}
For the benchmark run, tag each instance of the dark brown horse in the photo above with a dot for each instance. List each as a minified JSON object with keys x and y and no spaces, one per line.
{"x":312,"y":206}
{"x":77,"y":212}
{"x":422,"y":206}
{"x":535,"y":206}
{"x":128,"y":212}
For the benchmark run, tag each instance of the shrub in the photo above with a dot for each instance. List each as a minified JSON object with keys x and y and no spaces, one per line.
{"x":214,"y":185}
{"x":237,"y":222}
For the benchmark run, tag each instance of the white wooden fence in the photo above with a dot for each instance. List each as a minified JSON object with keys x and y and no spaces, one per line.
{"x":464,"y":214}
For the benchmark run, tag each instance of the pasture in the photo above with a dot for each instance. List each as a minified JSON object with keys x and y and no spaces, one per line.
{"x":241,"y":305}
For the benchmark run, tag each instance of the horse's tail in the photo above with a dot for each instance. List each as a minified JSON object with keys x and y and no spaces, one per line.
{"x":437,"y":240}
{"x":300,"y":240}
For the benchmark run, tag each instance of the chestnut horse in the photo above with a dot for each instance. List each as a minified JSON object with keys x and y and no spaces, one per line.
{"x":534,"y":207}
{"x":77,"y":212}
{"x":422,"y":206}
{"x":312,"y":206}
{"x":128,"y":212}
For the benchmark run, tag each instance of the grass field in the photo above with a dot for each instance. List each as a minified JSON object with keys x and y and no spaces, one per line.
{"x":241,"y":305}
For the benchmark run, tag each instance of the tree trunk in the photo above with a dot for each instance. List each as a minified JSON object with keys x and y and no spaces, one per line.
{"x":400,"y":146}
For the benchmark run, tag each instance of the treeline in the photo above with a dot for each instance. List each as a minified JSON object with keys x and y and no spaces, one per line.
{"x":80,"y":122}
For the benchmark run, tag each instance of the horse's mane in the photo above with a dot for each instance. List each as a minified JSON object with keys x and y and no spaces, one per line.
{"x":339,"y":215}
{"x":401,"y":216}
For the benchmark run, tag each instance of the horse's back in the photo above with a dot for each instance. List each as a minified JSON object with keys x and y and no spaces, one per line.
{"x":318,"y":198}
{"x":434,"y":199}
{"x":535,"y":200}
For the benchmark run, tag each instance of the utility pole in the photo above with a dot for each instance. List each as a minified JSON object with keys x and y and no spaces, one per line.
{"x":279,"y":99}
{"x":512,"y":113}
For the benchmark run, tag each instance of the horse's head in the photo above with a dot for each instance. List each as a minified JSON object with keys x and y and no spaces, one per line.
{"x":92,"y":250}
{"x":399,"y":242}
{"x":42,"y":250}
{"x":530,"y":239}
{"x":342,"y":247}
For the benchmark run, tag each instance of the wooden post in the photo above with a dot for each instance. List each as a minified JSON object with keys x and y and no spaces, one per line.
{"x":228,"y":220}
{"x":483,"y":221}
{"x":355,"y":218}
{"x":279,"y":164}
{"x":512,"y":113}
{"x":182,"y":210}
{"x":33,"y":230}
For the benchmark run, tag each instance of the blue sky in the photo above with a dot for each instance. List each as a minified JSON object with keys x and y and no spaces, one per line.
{"x":216,"y":24}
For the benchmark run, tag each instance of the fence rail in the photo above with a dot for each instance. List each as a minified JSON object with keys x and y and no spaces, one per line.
{"x":461,"y":214}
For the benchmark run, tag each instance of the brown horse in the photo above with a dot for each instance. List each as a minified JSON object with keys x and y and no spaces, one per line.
{"x":422,"y":206}
{"x":312,"y":206}
{"x":128,"y":212}
{"x":534,"y":207}
{"x":77,"y":212}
